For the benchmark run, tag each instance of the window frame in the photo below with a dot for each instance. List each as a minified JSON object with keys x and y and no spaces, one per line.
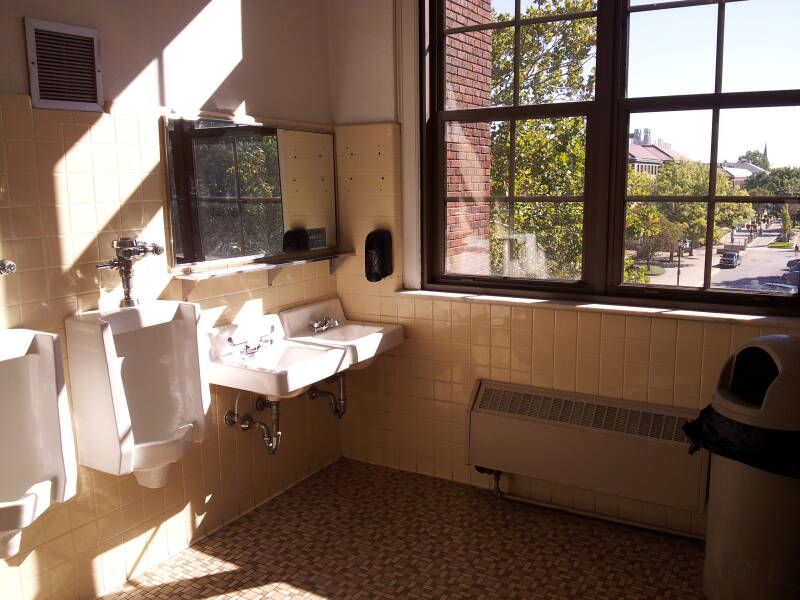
{"x":181,"y":138}
{"x":605,"y":172}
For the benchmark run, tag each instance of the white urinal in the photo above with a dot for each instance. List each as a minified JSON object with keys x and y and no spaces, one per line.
{"x":37,"y":452}
{"x":139,"y":393}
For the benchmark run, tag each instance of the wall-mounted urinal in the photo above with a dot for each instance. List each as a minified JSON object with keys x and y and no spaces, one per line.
{"x":139,"y":393}
{"x":37,"y":452}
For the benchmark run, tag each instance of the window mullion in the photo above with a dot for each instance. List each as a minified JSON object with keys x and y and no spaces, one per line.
{"x":712,"y":167}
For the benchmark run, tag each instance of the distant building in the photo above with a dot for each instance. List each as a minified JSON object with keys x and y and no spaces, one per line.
{"x":738,"y":172}
{"x":647,"y":155}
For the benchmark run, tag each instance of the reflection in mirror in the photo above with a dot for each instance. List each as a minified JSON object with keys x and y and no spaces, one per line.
{"x":237,"y":189}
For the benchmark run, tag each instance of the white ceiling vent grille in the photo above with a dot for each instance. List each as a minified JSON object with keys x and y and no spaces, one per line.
{"x":64,"y":66}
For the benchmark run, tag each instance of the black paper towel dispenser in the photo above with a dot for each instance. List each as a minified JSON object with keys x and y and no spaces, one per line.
{"x":378,"y":255}
{"x":296,"y":240}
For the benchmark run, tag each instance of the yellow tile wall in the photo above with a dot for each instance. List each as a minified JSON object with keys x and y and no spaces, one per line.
{"x":408,"y":410}
{"x":70,"y":182}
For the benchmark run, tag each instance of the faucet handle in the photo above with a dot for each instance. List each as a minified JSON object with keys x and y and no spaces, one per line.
{"x":7,"y":267}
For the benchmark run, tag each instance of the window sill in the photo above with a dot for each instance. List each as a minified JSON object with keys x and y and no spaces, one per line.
{"x":617,"y":309}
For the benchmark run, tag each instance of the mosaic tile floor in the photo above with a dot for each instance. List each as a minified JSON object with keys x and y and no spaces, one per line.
{"x":355,"y":531}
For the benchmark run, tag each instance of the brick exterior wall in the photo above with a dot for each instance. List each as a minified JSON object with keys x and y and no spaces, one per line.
{"x":468,"y":75}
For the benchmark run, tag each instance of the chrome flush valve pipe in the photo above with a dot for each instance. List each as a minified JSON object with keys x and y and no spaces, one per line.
{"x":128,"y":250}
{"x":338,"y":406}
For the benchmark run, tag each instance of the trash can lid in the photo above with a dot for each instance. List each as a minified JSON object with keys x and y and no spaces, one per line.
{"x":760,"y":384}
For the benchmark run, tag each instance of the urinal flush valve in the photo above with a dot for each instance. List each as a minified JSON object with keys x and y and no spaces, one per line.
{"x":128,"y":250}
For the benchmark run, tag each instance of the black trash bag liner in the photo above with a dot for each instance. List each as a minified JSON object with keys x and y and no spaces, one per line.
{"x":773,"y":450}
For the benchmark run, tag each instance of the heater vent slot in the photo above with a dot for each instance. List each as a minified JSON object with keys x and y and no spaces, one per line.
{"x":64,"y":66}
{"x":652,"y":424}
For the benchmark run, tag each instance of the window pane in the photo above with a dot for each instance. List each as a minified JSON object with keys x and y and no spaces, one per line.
{"x":672,"y":51}
{"x":558,"y":61}
{"x":669,"y":153}
{"x":259,"y":174}
{"x":220,"y":229}
{"x":550,"y":157}
{"x":262,"y":223}
{"x":539,"y":8}
{"x":215,"y":168}
{"x":758,"y":150}
{"x":477,"y":158}
{"x":468,"y":235}
{"x":644,"y":2}
{"x":460,"y":13}
{"x":546,"y":243}
{"x":755,"y":247}
{"x":664,"y":243}
{"x":479,"y":69}
{"x":761,"y":46}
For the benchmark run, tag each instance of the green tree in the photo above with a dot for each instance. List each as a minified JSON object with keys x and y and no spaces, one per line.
{"x":639,"y":182}
{"x":786,"y":223}
{"x":783,"y":181}
{"x":550,"y":153}
{"x":728,"y":215}
{"x":755,"y":157}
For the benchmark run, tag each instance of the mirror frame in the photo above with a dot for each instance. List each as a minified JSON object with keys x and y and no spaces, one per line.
{"x":176,"y":166}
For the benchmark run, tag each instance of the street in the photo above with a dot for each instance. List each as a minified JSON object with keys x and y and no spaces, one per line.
{"x":760,"y":264}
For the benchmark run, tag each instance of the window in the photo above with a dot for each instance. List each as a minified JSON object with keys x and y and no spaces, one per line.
{"x":226,"y":190}
{"x":614,"y":149}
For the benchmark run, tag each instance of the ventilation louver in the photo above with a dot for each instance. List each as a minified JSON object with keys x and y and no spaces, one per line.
{"x":64,"y":66}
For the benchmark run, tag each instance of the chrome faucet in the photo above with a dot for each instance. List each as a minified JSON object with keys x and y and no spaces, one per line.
{"x":323,"y":324}
{"x":247,"y":349}
{"x":128,"y":250}
{"x":7,"y":267}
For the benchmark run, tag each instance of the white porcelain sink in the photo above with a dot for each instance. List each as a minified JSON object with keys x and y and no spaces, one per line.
{"x":258,"y":358}
{"x":361,"y":341}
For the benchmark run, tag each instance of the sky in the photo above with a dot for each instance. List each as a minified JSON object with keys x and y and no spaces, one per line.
{"x":672,"y":51}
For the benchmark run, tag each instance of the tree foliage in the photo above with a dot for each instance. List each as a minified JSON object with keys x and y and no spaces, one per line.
{"x":755,"y":157}
{"x":230,"y":169}
{"x":556,"y":64}
{"x":783,"y":181}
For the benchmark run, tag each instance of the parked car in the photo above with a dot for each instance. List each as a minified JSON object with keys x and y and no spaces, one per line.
{"x":791,"y":277}
{"x":730,"y":259}
{"x":783,"y":288}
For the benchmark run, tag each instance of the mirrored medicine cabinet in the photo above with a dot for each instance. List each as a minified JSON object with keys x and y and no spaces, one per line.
{"x":240,"y":191}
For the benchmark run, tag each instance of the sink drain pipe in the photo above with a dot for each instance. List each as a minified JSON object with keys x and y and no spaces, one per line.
{"x":338,"y":406}
{"x":271,"y":439}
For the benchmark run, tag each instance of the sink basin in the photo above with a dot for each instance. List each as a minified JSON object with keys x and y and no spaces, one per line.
{"x":361,"y":341}
{"x":280,"y":369}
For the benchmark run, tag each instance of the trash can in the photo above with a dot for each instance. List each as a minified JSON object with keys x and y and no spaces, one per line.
{"x":752,"y":429}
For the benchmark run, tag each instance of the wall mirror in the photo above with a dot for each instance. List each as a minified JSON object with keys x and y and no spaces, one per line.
{"x":249,"y":190}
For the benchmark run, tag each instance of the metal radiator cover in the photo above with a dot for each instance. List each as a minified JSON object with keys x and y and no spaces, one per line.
{"x":627,"y":449}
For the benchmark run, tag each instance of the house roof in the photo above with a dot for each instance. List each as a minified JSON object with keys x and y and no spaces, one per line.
{"x":748,"y":166}
{"x":736,"y":173}
{"x":647,"y":153}
{"x":652,"y":153}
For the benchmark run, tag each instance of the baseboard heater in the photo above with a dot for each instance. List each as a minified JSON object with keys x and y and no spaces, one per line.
{"x":628,"y":449}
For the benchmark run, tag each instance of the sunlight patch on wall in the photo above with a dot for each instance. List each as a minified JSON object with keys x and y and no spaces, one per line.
{"x":201,"y":56}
